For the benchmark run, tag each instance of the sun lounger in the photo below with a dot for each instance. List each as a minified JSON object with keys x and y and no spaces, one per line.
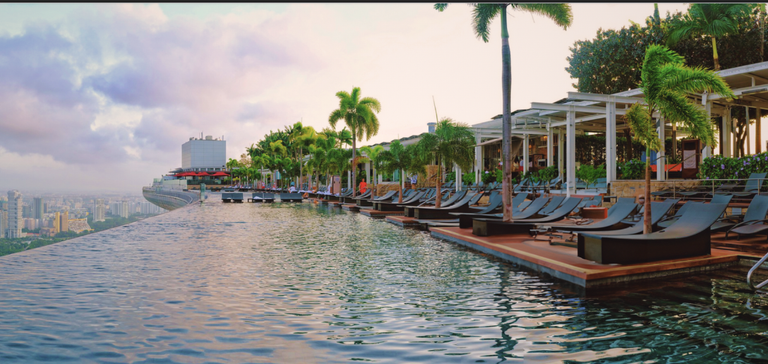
{"x":232,"y":197}
{"x":410,"y":211}
{"x":688,"y":237}
{"x":396,"y":206}
{"x":553,"y":204}
{"x":263,"y":197}
{"x":487,"y":227}
{"x":465,"y":219}
{"x":617,"y":213}
{"x":463,"y":205}
{"x":754,"y":220}
{"x":291,"y":197}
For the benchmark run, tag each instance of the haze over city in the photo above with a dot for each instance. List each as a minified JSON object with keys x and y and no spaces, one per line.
{"x":100,"y":97}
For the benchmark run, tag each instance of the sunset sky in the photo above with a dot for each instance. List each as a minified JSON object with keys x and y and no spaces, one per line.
{"x":100,"y":97}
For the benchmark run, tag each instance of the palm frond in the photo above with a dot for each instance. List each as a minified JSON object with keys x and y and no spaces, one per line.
{"x":693,"y":80}
{"x":561,"y":14}
{"x":642,"y":125}
{"x":441,"y":6}
{"x":482,"y":15}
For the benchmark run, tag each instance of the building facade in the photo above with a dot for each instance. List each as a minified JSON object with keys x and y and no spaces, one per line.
{"x":38,"y":209}
{"x":99,"y":210}
{"x":209,"y":154}
{"x":14,"y":215}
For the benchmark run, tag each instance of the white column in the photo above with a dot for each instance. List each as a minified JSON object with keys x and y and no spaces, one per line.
{"x":549,"y":145}
{"x":707,"y":151}
{"x":571,"y":152}
{"x":478,"y":159}
{"x":746,"y":118}
{"x":457,"y":171}
{"x":349,"y":179}
{"x":660,"y":160}
{"x":368,"y":172}
{"x":610,"y":141}
{"x":726,"y":125}
{"x":525,"y":153}
{"x":560,"y":152}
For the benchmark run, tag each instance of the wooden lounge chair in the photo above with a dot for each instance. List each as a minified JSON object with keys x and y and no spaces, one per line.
{"x":487,"y":227}
{"x":754,"y":220}
{"x":690,"y":236}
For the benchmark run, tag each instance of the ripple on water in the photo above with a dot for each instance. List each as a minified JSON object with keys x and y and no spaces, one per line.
{"x":306,"y":283}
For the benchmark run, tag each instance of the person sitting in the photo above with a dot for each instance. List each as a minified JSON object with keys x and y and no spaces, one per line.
{"x":292,"y":189}
{"x":363,"y":186}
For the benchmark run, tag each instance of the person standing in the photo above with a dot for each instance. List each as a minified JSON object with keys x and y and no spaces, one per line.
{"x":363,"y":186}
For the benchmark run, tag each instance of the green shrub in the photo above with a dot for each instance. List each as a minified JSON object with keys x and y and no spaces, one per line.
{"x":590,"y":174}
{"x":632,"y":169}
{"x":719,"y":167}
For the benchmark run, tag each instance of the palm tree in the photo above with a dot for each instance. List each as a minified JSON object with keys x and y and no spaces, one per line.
{"x":710,"y":20}
{"x":452,"y":143}
{"x":397,"y":158}
{"x":232,"y":164}
{"x":483,"y":14}
{"x":360,"y":117}
{"x":666,"y":82}
{"x":373,"y":154}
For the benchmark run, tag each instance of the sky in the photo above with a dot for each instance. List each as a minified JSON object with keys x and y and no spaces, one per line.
{"x":100,"y":97}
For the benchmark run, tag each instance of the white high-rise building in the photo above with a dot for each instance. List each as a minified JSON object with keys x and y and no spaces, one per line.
{"x":209,"y":154}
{"x":15,"y":222}
{"x":3,"y":223}
{"x":99,"y":210}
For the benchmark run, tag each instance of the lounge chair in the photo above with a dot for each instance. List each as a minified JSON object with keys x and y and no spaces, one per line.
{"x":393,"y":205}
{"x":753,"y":185}
{"x":263,"y":197}
{"x":658,"y":210}
{"x":291,"y":197}
{"x":463,"y":205}
{"x":688,"y":237}
{"x":726,"y":199}
{"x":410,"y":210}
{"x":553,"y":204}
{"x":487,"y":227}
{"x":617,"y":213}
{"x":754,"y":220}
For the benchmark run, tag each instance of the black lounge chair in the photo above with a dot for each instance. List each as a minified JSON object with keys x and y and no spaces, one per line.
{"x":265,"y":197}
{"x":690,"y":236}
{"x":291,"y":197}
{"x":616,"y":213}
{"x":718,"y":198}
{"x":410,"y":211}
{"x":658,"y":210}
{"x":754,"y":220}
{"x":396,"y":206}
{"x":495,"y":202}
{"x":753,"y":185}
{"x":531,"y":210}
{"x":487,"y":227}
{"x":232,"y":197}
{"x":553,"y":204}
{"x":463,"y":205}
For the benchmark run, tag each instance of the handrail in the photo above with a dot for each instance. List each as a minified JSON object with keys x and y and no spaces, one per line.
{"x":754,"y":268}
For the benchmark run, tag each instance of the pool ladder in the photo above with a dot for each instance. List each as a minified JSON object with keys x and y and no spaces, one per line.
{"x":754,"y":268}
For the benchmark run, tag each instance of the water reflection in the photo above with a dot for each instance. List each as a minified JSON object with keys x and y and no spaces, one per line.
{"x":306,"y":283}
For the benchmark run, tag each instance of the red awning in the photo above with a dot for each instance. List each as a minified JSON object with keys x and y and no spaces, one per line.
{"x":220,"y":174}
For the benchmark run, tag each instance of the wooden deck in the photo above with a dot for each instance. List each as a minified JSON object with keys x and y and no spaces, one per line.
{"x":562,"y":262}
{"x":379,"y":214}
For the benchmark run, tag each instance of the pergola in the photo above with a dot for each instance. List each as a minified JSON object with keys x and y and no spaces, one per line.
{"x":586,"y":112}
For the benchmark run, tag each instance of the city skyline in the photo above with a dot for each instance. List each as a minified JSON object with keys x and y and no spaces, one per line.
{"x":100,"y":97}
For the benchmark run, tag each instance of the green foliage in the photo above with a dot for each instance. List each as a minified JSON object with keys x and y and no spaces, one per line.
{"x":719,"y":167}
{"x":590,"y":174}
{"x":632,"y":169}
{"x":548,"y":173}
{"x":468,"y":178}
{"x":611,"y":62}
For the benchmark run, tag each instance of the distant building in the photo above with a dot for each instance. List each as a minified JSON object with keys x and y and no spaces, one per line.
{"x":38,"y":208}
{"x":99,"y":210}
{"x":79,"y":225}
{"x":3,"y":223}
{"x":14,"y":215}
{"x":209,"y":154}
{"x":64,"y":221}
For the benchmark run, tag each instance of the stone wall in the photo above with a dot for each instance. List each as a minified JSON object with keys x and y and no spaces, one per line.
{"x":634,"y":188}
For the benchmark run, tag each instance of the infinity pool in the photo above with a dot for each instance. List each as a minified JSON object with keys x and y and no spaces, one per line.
{"x":301,"y":283}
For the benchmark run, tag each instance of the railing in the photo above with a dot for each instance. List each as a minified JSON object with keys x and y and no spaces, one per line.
{"x":754,"y":268}
{"x":712,"y":185}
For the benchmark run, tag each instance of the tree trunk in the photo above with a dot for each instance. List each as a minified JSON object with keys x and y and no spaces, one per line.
{"x":506,"y":86}
{"x":400,"y":186}
{"x":714,"y":53}
{"x":628,"y":145}
{"x":439,"y":183}
{"x":354,"y":165}
{"x":647,"y":203}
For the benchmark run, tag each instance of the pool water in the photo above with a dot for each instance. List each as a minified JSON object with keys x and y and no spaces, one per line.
{"x":302,"y":283}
